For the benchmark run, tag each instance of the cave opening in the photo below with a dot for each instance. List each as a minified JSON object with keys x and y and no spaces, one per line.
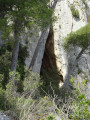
{"x":49,"y":72}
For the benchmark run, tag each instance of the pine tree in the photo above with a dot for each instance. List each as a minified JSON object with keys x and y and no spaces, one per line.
{"x":16,"y":15}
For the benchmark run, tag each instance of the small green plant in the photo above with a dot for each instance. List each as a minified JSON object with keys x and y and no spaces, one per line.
{"x":74,"y":11}
{"x":80,"y":102}
{"x":84,"y":1}
{"x":60,"y":26}
{"x":79,"y":71}
{"x":50,"y":117}
{"x":54,"y":19}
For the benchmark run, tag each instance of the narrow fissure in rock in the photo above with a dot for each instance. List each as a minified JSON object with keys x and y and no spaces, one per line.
{"x":49,"y":72}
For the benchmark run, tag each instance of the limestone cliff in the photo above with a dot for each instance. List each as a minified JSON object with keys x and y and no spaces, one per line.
{"x":64,"y":24}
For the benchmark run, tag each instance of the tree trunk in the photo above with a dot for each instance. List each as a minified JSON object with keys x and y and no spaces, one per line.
{"x":15,"y":56}
{"x":38,"y":48}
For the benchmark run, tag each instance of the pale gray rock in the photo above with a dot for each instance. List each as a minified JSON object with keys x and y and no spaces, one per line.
{"x":4,"y":117}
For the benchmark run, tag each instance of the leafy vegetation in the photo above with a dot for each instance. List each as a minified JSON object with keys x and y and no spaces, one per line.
{"x":18,"y":15}
{"x":81,"y":103}
{"x":74,"y":11}
{"x":79,"y":38}
{"x":5,"y":62}
{"x":30,"y":104}
{"x":51,"y":81}
{"x":50,"y":117}
{"x":84,"y":2}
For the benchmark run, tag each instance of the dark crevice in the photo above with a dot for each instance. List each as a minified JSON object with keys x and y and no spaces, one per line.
{"x":49,"y":60}
{"x":49,"y":70}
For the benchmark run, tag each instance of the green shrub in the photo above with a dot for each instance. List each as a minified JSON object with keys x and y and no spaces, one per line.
{"x":79,"y":71}
{"x":80,"y":102}
{"x":84,"y":1}
{"x":51,"y":78}
{"x":74,"y":11}
{"x":79,"y":38}
{"x":31,"y":81}
{"x":25,"y":106}
{"x":60,"y":26}
{"x":29,"y":103}
{"x":2,"y":99}
{"x":23,"y":53}
{"x":1,"y":80}
{"x":5,"y":63}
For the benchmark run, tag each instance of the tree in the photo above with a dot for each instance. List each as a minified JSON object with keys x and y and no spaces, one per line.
{"x":80,"y":38}
{"x":17,"y":15}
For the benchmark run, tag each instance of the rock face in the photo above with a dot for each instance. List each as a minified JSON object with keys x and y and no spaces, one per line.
{"x":4,"y":117}
{"x":65,"y":24}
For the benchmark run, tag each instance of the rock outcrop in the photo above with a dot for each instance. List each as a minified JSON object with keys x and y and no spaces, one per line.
{"x":65,"y":24}
{"x":4,"y":117}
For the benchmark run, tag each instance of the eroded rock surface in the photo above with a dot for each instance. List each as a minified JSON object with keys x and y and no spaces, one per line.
{"x":65,"y":24}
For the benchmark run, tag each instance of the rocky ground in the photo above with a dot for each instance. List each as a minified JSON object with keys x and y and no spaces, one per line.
{"x":4,"y":117}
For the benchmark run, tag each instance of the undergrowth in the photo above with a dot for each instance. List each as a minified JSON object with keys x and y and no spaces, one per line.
{"x":5,"y":63}
{"x":26,"y":97}
{"x":53,"y":78}
{"x":31,"y":105}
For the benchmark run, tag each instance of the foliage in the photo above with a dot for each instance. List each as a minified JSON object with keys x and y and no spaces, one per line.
{"x":5,"y":63}
{"x":17,"y":16}
{"x":2,"y":98}
{"x":74,"y":11}
{"x":79,"y":38}
{"x":30,"y":104}
{"x":60,"y":26}
{"x":23,"y":53}
{"x":31,"y":84}
{"x":79,"y":71}
{"x":1,"y":80}
{"x":21,"y":14}
{"x":50,"y":117}
{"x":84,"y":1}
{"x":51,"y":80}
{"x":80,"y":102}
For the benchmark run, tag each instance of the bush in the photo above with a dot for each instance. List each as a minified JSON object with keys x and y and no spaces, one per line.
{"x":80,"y":102}
{"x":31,"y":84}
{"x":5,"y":63}
{"x":25,"y":106}
{"x":74,"y":11}
{"x":84,"y":1}
{"x":51,"y":78}
{"x":2,"y":99}
{"x":79,"y":38}
{"x":29,"y":104}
